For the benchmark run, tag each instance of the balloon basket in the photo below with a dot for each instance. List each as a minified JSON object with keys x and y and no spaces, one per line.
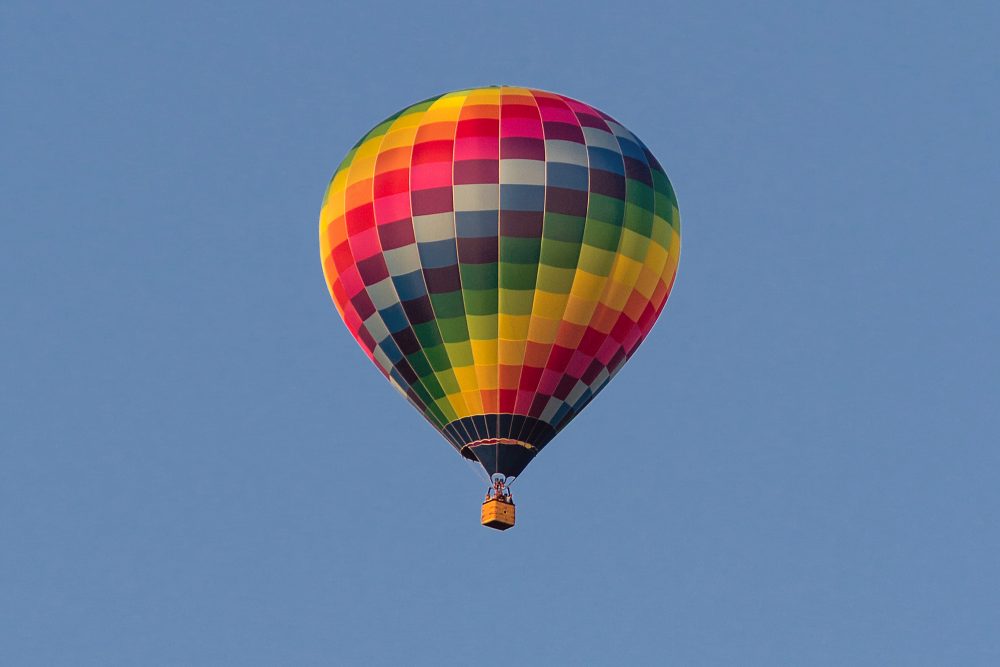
{"x":498,"y":508}
{"x":498,"y":513}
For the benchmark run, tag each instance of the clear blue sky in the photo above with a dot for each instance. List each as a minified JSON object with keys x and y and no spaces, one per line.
{"x":800,"y":466}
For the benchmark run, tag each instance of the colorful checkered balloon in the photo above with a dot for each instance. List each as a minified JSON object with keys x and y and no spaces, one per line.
{"x":499,"y":253}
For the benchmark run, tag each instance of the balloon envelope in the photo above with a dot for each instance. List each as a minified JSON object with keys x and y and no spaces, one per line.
{"x":499,"y":253}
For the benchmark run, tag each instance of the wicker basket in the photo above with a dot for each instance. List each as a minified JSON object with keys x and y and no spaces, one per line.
{"x":498,"y":514}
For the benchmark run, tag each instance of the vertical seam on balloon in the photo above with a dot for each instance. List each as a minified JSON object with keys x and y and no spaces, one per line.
{"x":394,"y":290}
{"x":621,"y":346}
{"x":458,"y":261}
{"x":617,"y":248}
{"x":496,"y":399}
{"x":666,"y":264}
{"x":347,"y":165}
{"x":322,"y":230}
{"x":576,"y":272}
{"x":677,"y":256}
{"x":409,"y":189}
{"x":609,"y":283}
{"x":474,"y":433}
{"x":481,"y":390}
{"x":382,"y":254}
{"x":442,"y":429}
{"x":614,"y":263}
{"x":541,"y":235}
{"x":531,"y":430}
{"x":439,"y":428}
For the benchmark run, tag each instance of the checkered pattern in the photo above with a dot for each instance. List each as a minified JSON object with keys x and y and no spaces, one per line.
{"x":499,"y":253}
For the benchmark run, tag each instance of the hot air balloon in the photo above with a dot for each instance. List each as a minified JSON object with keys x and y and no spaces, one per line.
{"x":499,"y":253}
